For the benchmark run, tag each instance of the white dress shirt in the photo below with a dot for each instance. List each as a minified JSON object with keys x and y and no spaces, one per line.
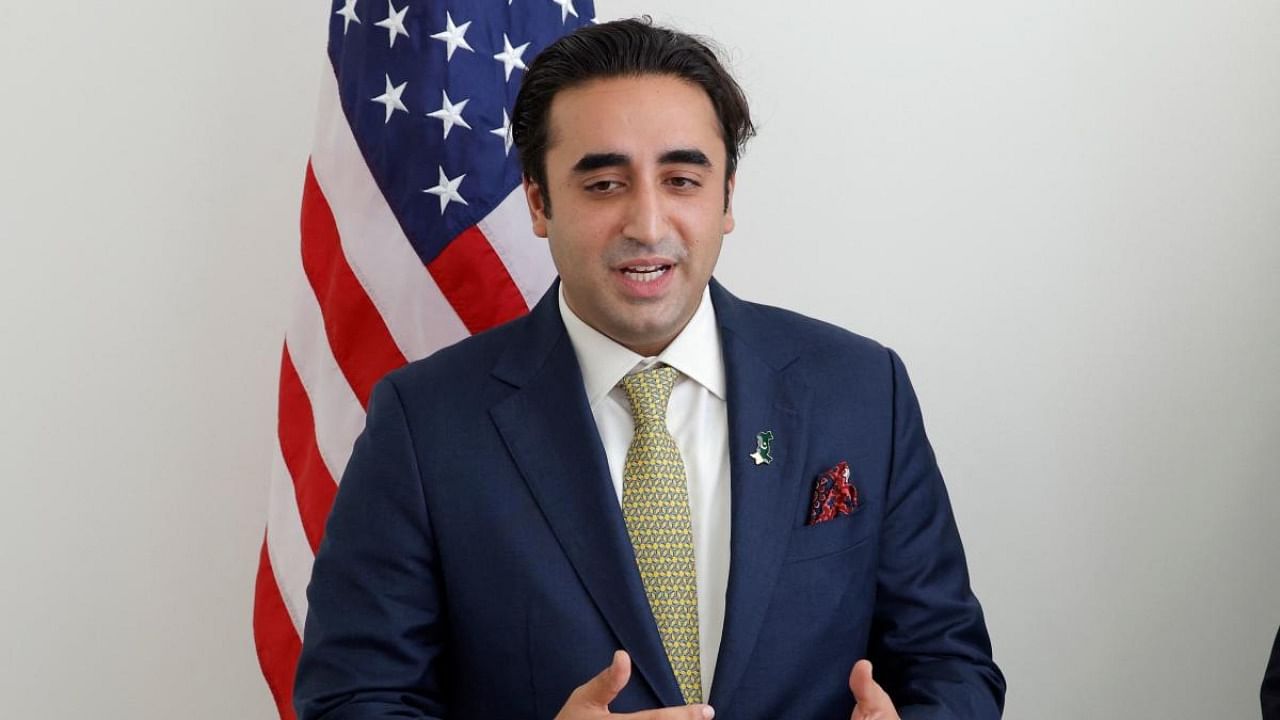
{"x":698,"y":419}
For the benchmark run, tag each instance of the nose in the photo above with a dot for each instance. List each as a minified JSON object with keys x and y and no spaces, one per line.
{"x":646,"y":219}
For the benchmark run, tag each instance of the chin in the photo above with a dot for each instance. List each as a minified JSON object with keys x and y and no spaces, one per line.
{"x":651,"y":335}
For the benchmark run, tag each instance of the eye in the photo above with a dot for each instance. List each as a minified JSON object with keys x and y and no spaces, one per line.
{"x":684,"y":183}
{"x":603,"y":186}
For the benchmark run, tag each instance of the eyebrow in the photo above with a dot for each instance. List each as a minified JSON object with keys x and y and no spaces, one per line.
{"x":685,"y":157}
{"x":597,"y":161}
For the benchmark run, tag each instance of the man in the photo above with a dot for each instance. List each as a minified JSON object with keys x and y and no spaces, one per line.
{"x":647,"y":496}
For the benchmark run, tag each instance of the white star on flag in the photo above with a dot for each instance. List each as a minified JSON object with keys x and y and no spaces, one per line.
{"x":504,"y":132}
{"x":510,"y":56}
{"x":394,"y":22}
{"x":453,"y":36}
{"x":566,"y":9}
{"x":450,"y":114}
{"x":391,"y":99}
{"x":348,"y":13}
{"x":447,"y":190}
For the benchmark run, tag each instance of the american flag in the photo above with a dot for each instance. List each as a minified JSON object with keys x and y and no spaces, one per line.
{"x":414,"y":235}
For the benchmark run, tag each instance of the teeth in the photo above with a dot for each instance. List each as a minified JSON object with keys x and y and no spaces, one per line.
{"x":647,"y":273}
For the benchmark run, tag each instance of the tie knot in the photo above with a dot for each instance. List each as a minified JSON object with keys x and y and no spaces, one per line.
{"x":649,"y":390}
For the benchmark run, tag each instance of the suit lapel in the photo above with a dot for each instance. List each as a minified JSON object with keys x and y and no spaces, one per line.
{"x":548,"y":427}
{"x":760,"y":397}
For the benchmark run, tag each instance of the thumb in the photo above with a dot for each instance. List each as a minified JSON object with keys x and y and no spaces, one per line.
{"x":866,"y":691}
{"x":600,"y":690}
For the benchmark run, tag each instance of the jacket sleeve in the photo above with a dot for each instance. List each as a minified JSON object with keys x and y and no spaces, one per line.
{"x":374,"y":641}
{"x":929,"y":644}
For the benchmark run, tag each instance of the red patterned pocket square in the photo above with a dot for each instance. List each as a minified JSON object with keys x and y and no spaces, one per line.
{"x":833,"y":495}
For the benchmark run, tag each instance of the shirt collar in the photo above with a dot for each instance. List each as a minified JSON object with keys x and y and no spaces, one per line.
{"x":695,"y":352}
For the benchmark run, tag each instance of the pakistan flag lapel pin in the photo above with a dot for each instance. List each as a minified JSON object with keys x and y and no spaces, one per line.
{"x":764,"y":448}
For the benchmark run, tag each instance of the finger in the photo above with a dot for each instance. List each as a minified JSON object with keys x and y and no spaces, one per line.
{"x":866,"y":691}
{"x":600,"y":690}
{"x":686,"y":712}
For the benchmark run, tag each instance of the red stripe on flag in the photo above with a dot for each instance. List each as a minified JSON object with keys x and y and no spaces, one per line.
{"x":277,"y":641}
{"x":361,"y":342}
{"x":476,"y":283}
{"x":313,"y":485}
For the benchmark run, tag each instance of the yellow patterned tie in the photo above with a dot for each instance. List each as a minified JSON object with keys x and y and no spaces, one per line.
{"x":655,"y":507}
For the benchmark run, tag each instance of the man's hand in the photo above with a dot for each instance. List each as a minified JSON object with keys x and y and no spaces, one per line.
{"x":873,"y":702}
{"x":590,"y":701}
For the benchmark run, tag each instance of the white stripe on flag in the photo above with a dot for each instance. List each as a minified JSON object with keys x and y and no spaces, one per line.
{"x":416,"y":312}
{"x":337,"y":412}
{"x":526,"y":255}
{"x":287,"y":545}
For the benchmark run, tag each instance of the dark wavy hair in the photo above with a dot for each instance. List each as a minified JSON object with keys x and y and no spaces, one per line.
{"x":619,"y":49}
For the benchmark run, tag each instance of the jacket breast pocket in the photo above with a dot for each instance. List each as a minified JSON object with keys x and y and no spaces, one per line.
{"x":838,"y":534}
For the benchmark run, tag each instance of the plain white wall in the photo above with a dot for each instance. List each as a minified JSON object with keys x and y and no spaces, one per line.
{"x":1065,"y":216}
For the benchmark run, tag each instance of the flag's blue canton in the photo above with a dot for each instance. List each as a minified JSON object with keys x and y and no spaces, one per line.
{"x":407,"y":152}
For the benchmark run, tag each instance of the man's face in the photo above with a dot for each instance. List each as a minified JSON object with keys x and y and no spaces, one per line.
{"x":635,"y":172}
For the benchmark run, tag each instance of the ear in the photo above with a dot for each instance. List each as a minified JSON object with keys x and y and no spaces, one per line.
{"x":728,"y":204}
{"x":537,"y":208}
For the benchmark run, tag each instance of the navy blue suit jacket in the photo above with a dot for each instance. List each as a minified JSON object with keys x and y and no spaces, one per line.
{"x":476,"y":565}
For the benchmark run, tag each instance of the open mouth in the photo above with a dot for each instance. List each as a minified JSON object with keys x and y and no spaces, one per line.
{"x":645,"y":273}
